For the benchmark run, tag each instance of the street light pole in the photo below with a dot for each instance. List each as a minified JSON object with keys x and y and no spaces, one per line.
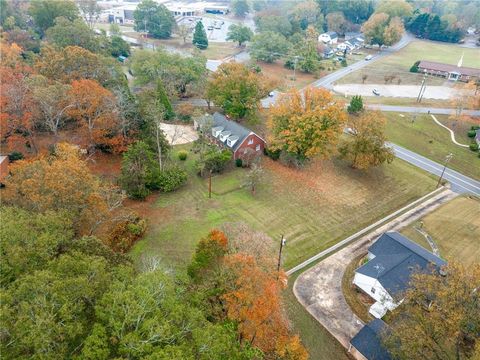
{"x":447,"y":159}
{"x":283,"y":241}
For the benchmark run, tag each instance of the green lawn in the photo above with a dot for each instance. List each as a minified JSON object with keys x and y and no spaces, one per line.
{"x":314,"y":208}
{"x":427,"y":138}
{"x":400,"y":62}
{"x":455,"y":228}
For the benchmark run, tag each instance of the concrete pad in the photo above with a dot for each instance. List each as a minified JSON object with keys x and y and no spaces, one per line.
{"x":179,"y":134}
{"x":403,"y":91}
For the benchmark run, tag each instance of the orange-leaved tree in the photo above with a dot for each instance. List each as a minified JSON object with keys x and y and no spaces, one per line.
{"x":94,"y":107}
{"x":306,"y":124}
{"x":254,"y":301}
{"x":62,"y":182}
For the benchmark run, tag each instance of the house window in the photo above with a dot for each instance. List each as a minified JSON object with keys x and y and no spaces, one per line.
{"x":257,"y":148}
{"x":373,"y":290}
{"x":250,"y":141}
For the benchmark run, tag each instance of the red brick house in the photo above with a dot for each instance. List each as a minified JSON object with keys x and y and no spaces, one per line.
{"x":231,"y":135}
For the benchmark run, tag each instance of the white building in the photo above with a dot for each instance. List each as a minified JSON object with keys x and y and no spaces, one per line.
{"x":330,"y":37}
{"x":391,"y":261}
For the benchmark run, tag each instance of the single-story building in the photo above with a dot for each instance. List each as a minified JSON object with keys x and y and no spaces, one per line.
{"x":230,"y":135}
{"x":392,"y":259}
{"x":451,"y":72}
{"x":3,"y":167}
{"x":327,"y":52}
{"x":330,"y":37}
{"x":367,"y":344}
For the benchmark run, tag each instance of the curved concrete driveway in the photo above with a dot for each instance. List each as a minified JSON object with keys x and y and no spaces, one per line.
{"x":319,"y":289}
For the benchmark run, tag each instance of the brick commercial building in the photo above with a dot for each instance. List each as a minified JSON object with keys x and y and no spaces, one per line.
{"x":450,"y":72}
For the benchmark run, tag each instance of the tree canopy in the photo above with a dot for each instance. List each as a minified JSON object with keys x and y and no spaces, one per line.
{"x":306,"y":124}
{"x":269,"y":46}
{"x":44,"y":12}
{"x":236,"y":89}
{"x":239,"y":33}
{"x":153,"y":18}
{"x":365,"y":146}
{"x":200,"y":39}
{"x":381,"y":29}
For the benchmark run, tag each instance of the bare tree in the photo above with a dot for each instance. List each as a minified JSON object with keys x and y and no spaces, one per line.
{"x":254,"y":177}
{"x":184,"y":32}
{"x":90,"y":11}
{"x":364,"y":78}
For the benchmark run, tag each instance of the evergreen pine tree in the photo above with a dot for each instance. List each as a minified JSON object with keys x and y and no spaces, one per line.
{"x":162,"y":99}
{"x":200,"y":39}
{"x":356,"y":105}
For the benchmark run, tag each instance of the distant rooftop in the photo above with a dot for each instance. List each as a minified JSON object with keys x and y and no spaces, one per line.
{"x":435,"y":66}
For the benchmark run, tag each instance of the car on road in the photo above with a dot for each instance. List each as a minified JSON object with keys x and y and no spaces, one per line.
{"x":210,"y":27}
{"x":368,"y":57}
{"x":271,"y":94}
{"x":376,"y":92}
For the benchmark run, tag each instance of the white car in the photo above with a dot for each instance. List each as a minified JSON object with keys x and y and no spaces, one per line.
{"x":368,"y":57}
{"x":376,"y":92}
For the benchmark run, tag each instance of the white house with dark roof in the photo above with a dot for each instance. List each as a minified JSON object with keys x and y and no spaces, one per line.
{"x":330,"y":37}
{"x":392,"y":259}
{"x":231,"y":135}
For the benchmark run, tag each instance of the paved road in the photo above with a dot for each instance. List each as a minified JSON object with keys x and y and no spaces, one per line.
{"x":420,"y":110}
{"x":460,"y":183}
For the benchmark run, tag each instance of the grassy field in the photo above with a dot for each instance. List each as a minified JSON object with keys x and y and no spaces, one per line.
{"x":425,"y":137}
{"x":400,"y":62}
{"x":455,"y":228}
{"x":314,"y":208}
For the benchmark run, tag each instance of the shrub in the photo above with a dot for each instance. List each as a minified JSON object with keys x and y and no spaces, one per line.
{"x":171,"y":179}
{"x":272,"y":154}
{"x":185,"y":111}
{"x":214,"y":160}
{"x":239,"y":162}
{"x":474,"y":147}
{"x":14,"y":156}
{"x":414,"y":68}
{"x":471,"y":133}
{"x":344,"y":63}
{"x":182,"y":155}
{"x":356,"y":105}
{"x":125,"y":234}
{"x":475,"y":127}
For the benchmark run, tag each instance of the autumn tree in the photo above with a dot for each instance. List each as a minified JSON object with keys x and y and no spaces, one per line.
{"x":439,"y":317}
{"x":94,"y":109}
{"x":466,"y":96}
{"x":62,"y":182}
{"x":236,"y":89}
{"x":305,"y":14}
{"x":305,"y":125}
{"x":365,"y":147}
{"x":239,"y":33}
{"x":72,"y":63}
{"x":336,"y":22}
{"x":309,"y":60}
{"x":52,"y":100}
{"x":380,"y":29}
{"x":396,"y":8}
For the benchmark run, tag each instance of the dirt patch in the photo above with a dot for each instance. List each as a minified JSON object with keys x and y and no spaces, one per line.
{"x":179,"y":134}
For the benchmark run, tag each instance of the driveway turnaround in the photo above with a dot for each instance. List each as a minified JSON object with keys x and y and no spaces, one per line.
{"x":319,"y":289}
{"x":396,"y":91}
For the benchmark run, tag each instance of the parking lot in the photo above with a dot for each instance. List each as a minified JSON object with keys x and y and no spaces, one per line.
{"x":215,"y":26}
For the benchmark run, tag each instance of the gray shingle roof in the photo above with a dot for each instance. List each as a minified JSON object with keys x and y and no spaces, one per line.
{"x":368,"y":341}
{"x":236,"y":130}
{"x":396,"y":258}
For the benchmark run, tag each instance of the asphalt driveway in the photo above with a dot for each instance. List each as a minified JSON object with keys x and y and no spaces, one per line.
{"x":319,"y":289}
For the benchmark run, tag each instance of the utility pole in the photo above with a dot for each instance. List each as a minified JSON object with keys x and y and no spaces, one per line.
{"x":283,"y":241}
{"x":447,"y":159}
{"x":422,"y":88}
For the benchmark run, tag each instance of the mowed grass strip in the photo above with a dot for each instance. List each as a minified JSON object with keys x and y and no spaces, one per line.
{"x":427,"y":138}
{"x":399,"y":63}
{"x":455,"y":228}
{"x":313,"y":208}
